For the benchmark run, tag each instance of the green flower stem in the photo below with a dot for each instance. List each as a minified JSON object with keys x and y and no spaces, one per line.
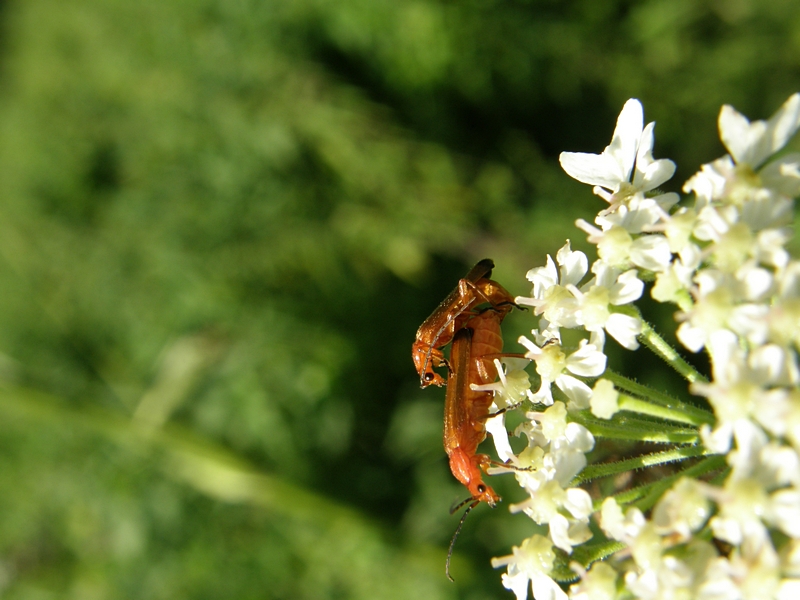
{"x":710,"y":463}
{"x":697,"y":415}
{"x":640,"y":430}
{"x":661,"y":348}
{"x":648,"y":460}
{"x":643,"y":407}
{"x":584,"y":554}
{"x":646,"y":496}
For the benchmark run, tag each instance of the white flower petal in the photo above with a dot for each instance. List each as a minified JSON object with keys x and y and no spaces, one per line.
{"x":754,"y":143}
{"x":579,"y":437}
{"x":615,"y":164}
{"x":517,"y":583}
{"x":627,"y":288}
{"x":604,"y":401}
{"x":783,"y":175}
{"x":579,"y":503}
{"x":651,"y":252}
{"x":573,"y":265}
{"x":786,"y":511}
{"x":717,"y":441}
{"x":624,"y":329}
{"x":627,"y":134}
{"x":544,"y":588}
{"x":593,"y":169}
{"x":559,"y":533}
{"x":587,"y":361}
{"x":575,"y":390}
{"x":650,"y":173}
{"x":543,"y":277}
{"x":496,"y":427}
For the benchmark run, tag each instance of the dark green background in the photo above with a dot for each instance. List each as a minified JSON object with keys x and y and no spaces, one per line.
{"x":221,"y":224}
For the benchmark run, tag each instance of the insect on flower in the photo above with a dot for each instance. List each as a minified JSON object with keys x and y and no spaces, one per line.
{"x":475,"y":346}
{"x":450,"y":316}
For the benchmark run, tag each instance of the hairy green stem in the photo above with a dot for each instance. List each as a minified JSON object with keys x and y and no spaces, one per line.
{"x":640,"y":430}
{"x":661,"y":348}
{"x":645,"y":496}
{"x":643,"y":407}
{"x":648,"y":460}
{"x":697,"y":415}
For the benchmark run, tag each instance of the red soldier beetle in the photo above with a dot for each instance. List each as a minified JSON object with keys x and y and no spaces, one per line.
{"x":450,"y":316}
{"x":474,"y":348}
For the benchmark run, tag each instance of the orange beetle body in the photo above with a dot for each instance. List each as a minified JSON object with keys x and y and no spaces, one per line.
{"x":474,"y":349}
{"x":450,"y":316}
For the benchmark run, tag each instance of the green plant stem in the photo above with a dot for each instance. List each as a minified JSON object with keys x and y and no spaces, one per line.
{"x":585,"y":555}
{"x":648,"y":460}
{"x":645,"y":496}
{"x":661,"y":348}
{"x":643,"y":407}
{"x":695,"y":414}
{"x":627,"y":428}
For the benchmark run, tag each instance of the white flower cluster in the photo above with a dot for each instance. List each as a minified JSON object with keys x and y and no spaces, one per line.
{"x":724,"y":263}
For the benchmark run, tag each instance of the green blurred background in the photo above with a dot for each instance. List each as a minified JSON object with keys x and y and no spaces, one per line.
{"x":222,"y":222}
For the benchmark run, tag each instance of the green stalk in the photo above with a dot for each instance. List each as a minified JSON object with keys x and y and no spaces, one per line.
{"x":645,"y":496}
{"x":585,"y":555}
{"x":643,"y":407}
{"x":637,"y":430}
{"x":661,"y":348}
{"x":648,"y":460}
{"x":698,"y":415}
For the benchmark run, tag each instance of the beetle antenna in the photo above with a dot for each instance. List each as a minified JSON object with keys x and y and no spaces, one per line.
{"x":455,"y":508}
{"x":455,"y":535}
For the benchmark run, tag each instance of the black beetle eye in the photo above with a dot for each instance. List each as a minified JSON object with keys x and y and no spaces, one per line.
{"x":481,"y":488}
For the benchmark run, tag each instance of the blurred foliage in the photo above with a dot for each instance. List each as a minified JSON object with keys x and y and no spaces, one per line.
{"x":222,"y":222}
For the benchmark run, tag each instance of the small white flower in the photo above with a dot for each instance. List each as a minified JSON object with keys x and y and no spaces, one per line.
{"x":610,"y":288}
{"x":617,"y":525}
{"x":682,"y":510}
{"x":678,"y":229}
{"x":639,"y":215}
{"x":566,"y":534}
{"x":714,"y":303}
{"x":674,"y":283}
{"x":618,"y":248}
{"x":626,"y":167}
{"x":550,"y":296}
{"x":764,"y":195}
{"x":554,"y":366}
{"x":753,"y":143}
{"x":751,"y":571}
{"x":532,"y":562}
{"x":599,"y":583}
{"x":709,"y":183}
{"x":740,"y":391}
{"x":604,"y":399}
{"x":512,"y":385}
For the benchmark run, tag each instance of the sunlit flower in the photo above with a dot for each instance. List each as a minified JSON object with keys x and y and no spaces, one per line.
{"x":610,"y":288}
{"x":599,"y":583}
{"x":753,"y":143}
{"x":550,"y":298}
{"x":604,"y":399}
{"x":725,"y":263}
{"x":532,"y":561}
{"x":555,"y":366}
{"x":682,"y":510}
{"x":626,"y":167}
